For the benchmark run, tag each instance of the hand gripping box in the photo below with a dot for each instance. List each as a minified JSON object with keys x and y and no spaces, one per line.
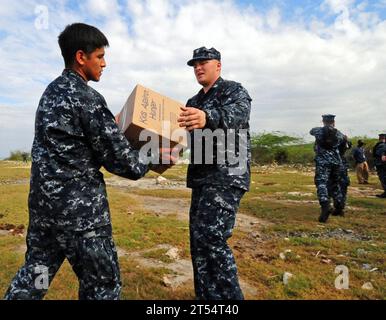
{"x":148,"y":116}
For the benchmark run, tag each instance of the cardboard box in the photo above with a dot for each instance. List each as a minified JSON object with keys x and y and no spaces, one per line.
{"x":154,"y":116}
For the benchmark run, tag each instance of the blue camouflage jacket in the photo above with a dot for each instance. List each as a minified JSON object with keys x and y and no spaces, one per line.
{"x":379,"y":151}
{"x":324,"y":156}
{"x":75,"y":135}
{"x":227,"y":106}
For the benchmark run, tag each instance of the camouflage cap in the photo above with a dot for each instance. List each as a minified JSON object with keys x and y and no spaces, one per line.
{"x":382,"y":136}
{"x":328,"y":117}
{"x":204,"y":54}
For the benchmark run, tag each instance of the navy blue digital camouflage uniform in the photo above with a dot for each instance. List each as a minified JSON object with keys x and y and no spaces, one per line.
{"x":328,"y":168}
{"x":379,"y":151}
{"x":344,"y":178}
{"x":217,"y":191}
{"x":75,"y":135}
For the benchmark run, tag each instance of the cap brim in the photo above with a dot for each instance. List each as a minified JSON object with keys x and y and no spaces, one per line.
{"x":192,"y":61}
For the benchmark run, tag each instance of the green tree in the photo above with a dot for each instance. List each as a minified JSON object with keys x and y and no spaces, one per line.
{"x":272,"y":147}
{"x":18,"y":155}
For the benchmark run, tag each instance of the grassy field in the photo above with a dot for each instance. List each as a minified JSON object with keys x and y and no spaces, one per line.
{"x":286,"y":238}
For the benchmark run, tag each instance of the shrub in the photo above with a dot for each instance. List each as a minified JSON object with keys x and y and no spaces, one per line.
{"x":18,"y":155}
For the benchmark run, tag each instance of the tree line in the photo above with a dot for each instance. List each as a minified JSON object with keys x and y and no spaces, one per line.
{"x":280,"y":148}
{"x":269,"y":148}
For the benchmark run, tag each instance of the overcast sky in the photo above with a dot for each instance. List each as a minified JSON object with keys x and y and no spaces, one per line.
{"x":298,"y":59}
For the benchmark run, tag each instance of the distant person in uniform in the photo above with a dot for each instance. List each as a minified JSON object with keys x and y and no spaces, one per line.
{"x":361,"y":166}
{"x":217,"y":188}
{"x":328,"y":166}
{"x":69,"y":216}
{"x":379,"y":153}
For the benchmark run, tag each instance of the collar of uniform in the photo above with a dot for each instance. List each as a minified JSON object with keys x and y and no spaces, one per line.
{"x":214,"y":87}
{"x":73,"y":74}
{"x":217,"y":83}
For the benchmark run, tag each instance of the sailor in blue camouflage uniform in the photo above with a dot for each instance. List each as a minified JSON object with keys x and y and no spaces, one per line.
{"x":379,"y":154}
{"x":328,"y":164}
{"x":344,"y":180}
{"x":69,"y":217}
{"x":217,"y":187}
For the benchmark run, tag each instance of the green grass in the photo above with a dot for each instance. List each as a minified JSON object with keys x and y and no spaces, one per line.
{"x":12,"y":170}
{"x":13,"y":204}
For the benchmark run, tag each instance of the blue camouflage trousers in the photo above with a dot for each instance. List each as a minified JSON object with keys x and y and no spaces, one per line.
{"x":212,"y":218}
{"x":327,"y":181}
{"x":381,"y":171}
{"x":344,"y":183}
{"x":92,"y":255}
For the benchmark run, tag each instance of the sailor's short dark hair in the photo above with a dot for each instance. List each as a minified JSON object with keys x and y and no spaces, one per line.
{"x":80,"y":36}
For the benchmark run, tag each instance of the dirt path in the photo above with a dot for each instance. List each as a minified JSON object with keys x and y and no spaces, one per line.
{"x":165,"y":207}
{"x":145,"y":183}
{"x":360,"y":192}
{"x":181,"y":269}
{"x":180,"y":208}
{"x":363,"y":192}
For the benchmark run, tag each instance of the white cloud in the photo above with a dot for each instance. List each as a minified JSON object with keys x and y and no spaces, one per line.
{"x":273,"y":18}
{"x":294,"y":72}
{"x":101,"y":7}
{"x":338,"y":6}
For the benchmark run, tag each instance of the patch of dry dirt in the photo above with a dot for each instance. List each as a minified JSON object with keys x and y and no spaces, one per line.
{"x":296,"y":194}
{"x":363,"y":192}
{"x":181,"y":269}
{"x":11,"y":229}
{"x":165,"y":207}
{"x":180,"y":208}
{"x":360,"y":192}
{"x":145,"y":183}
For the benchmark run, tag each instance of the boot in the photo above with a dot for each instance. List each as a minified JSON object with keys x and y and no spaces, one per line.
{"x":339,"y":211}
{"x":383,"y":195}
{"x":325,"y":208}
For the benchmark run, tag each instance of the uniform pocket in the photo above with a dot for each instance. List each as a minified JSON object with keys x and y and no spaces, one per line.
{"x":216,"y":212}
{"x":100,"y":263}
